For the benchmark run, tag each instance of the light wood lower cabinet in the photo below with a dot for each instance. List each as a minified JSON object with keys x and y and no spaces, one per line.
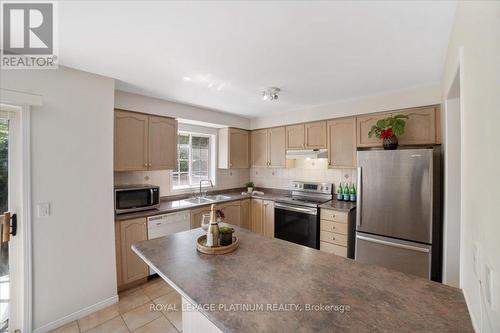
{"x":130,"y":232}
{"x":196,"y":215}
{"x":268,"y":217}
{"x":232,"y":212}
{"x":257,"y":223}
{"x":263,"y":217}
{"x":245,"y":213}
{"x":337,"y":232}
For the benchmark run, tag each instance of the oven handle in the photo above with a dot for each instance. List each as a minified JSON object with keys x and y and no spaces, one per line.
{"x":310,"y":211}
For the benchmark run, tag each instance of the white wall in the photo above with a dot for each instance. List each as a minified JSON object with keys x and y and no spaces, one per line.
{"x":451,"y":205}
{"x":477,"y":32}
{"x":412,"y":97}
{"x":151,"y":105}
{"x":72,"y":169}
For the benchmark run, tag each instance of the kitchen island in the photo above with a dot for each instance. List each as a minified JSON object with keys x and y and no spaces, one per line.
{"x":270,"y":285}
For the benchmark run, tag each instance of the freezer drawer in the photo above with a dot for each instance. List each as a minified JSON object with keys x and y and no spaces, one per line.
{"x":407,"y":257}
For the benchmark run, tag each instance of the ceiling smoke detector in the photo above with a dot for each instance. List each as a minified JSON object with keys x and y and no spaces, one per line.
{"x":270,"y":94}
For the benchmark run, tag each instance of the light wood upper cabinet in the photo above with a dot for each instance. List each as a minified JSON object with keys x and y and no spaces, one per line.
{"x":133,"y":267}
{"x":234,"y":152}
{"x":259,"y":148}
{"x":162,"y":143}
{"x":295,"y":137}
{"x":256,"y":213}
{"x":276,"y":147}
{"x":420,"y":127}
{"x":232,"y":212}
{"x":364,"y":125}
{"x":130,"y":141}
{"x":197,"y":214}
{"x":268,"y":217}
{"x":315,"y":135}
{"x":245,"y":215}
{"x":341,"y":142}
{"x":143,"y":142}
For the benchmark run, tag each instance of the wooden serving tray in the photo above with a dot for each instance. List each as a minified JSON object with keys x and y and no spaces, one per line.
{"x":202,"y":241}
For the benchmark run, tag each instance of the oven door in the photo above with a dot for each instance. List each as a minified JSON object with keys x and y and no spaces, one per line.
{"x":296,"y":224}
{"x":133,"y":200}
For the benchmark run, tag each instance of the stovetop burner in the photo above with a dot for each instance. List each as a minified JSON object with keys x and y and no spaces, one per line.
{"x":309,"y":194}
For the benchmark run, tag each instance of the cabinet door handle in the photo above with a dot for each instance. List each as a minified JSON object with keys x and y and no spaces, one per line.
{"x":333,"y":227}
{"x":333,"y":238}
{"x":145,"y":164}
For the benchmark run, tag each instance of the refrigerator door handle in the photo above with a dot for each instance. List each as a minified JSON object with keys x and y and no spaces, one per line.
{"x":358,"y":198}
{"x":401,"y":246}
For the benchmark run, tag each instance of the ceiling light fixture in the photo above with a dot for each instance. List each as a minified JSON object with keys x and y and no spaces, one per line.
{"x":270,"y":93}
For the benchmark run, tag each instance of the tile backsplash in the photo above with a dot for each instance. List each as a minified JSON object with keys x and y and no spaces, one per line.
{"x":225,"y":179}
{"x":314,"y":170}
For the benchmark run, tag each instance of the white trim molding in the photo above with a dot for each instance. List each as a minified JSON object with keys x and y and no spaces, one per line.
{"x":77,"y":315}
{"x":22,"y":103}
{"x":19,"y":98}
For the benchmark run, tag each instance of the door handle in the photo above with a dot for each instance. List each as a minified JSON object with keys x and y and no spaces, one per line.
{"x":9,"y":226}
{"x":358,"y":198}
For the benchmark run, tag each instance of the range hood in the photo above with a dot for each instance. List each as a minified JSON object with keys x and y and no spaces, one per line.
{"x":306,"y":154}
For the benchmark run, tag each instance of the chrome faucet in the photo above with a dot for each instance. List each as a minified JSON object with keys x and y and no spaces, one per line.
{"x":201,"y":182}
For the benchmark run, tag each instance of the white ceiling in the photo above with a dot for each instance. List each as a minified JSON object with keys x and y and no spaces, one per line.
{"x":221,"y":54}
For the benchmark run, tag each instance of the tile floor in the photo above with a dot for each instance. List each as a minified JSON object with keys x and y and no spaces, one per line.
{"x":133,"y":312}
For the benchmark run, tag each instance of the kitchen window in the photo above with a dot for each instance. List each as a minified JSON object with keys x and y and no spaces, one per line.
{"x":194,"y":154}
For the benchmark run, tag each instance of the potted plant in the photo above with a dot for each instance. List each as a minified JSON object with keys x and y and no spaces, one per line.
{"x":250,"y":186}
{"x":388,"y":129}
{"x":226,"y":235}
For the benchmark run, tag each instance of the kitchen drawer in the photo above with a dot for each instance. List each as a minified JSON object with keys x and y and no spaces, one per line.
{"x":332,"y":237}
{"x":339,"y":228}
{"x":332,"y":248}
{"x":333,"y":215}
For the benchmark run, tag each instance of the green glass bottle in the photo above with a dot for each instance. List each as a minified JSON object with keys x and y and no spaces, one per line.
{"x":340,"y":193}
{"x":346,"y":192}
{"x":352,"y":193}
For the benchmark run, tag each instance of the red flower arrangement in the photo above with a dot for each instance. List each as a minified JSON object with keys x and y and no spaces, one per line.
{"x":219,"y":214}
{"x":386,"y":133}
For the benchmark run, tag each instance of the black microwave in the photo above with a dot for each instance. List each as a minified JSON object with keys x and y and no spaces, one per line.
{"x":134,"y":198}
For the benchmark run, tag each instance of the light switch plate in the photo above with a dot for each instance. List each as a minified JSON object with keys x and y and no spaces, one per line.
{"x":43,"y":209}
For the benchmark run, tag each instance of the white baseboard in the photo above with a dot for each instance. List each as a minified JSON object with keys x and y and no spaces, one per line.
{"x":77,"y":315}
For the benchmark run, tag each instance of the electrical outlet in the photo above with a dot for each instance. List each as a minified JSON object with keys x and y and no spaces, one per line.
{"x":488,"y":285}
{"x":43,"y":209}
{"x":475,"y":259}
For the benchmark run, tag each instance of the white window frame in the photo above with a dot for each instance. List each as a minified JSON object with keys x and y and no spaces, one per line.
{"x":211,"y":158}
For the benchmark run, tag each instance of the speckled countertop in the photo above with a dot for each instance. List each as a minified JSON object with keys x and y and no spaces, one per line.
{"x":339,"y":205}
{"x":271,"y":271}
{"x":174,"y":204}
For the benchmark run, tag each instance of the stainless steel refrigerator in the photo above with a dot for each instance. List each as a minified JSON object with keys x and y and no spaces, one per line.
{"x":398,"y":222}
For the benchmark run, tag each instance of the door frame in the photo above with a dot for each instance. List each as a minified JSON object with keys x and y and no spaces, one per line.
{"x":22,"y":103}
